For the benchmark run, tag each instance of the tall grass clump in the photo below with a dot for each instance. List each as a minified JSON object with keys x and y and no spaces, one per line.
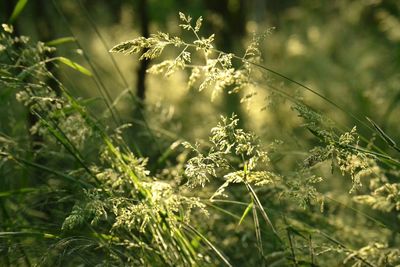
{"x":76,"y":192}
{"x":88,"y":199}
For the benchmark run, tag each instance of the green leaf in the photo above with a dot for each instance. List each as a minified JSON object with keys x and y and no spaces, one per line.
{"x":383,"y":135}
{"x":315,"y":133}
{"x":26,"y":234}
{"x":74,"y":65}
{"x":295,"y":231}
{"x":17,"y":10}
{"x":59,"y":41}
{"x":19,"y":191}
{"x":246,"y":211}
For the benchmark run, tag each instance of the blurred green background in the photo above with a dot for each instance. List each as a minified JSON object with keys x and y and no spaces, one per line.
{"x":347,"y":50}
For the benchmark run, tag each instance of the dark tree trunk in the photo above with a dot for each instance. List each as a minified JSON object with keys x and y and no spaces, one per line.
{"x":144,"y":27}
{"x":229,"y":40}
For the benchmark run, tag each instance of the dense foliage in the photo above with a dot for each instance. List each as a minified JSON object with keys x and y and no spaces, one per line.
{"x":83,"y":186}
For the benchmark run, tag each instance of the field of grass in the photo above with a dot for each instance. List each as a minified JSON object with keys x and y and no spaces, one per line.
{"x":273,"y":147}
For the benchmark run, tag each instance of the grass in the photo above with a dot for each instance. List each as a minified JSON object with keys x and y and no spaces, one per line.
{"x":77,"y":190}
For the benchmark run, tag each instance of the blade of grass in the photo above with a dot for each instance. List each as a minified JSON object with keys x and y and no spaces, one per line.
{"x":208,"y":242}
{"x":208,"y":203}
{"x":340,"y":244}
{"x":228,"y":201}
{"x":369,"y":217}
{"x":60,"y":41}
{"x":20,"y":191}
{"x":63,"y":139}
{"x":17,"y":10}
{"x":246,"y":211}
{"x":96,"y":77}
{"x":291,"y":247}
{"x":342,"y":128}
{"x":24,"y":234}
{"x":257,"y":229}
{"x":44,"y":168}
{"x":74,"y":66}
{"x":134,"y":98}
{"x":105,"y":45}
{"x":384,"y":136}
{"x":260,"y":207}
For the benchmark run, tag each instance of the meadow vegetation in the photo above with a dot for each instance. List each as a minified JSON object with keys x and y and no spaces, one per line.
{"x":294,"y":176}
